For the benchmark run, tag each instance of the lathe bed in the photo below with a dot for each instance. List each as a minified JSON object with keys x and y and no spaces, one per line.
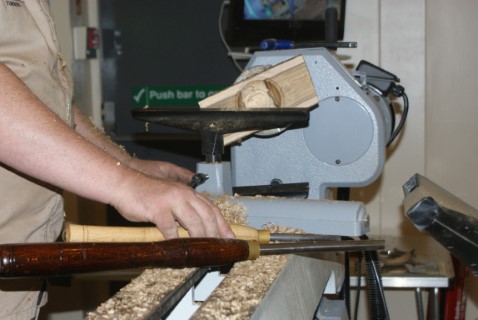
{"x":273,"y":287}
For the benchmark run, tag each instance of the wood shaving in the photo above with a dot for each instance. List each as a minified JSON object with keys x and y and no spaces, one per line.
{"x":281,"y":229}
{"x":141,"y":295}
{"x":234,"y":213}
{"x":244,"y":287}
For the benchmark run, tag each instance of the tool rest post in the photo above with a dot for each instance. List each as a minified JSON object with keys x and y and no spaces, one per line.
{"x":212,"y":146}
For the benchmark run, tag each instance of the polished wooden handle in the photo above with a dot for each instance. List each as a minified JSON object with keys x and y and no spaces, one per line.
{"x":55,"y":259}
{"x":88,"y":233}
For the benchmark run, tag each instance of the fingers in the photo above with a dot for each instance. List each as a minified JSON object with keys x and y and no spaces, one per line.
{"x":206,"y":211}
{"x":168,"y":226}
{"x":224,"y":227}
{"x":165,"y":203}
{"x":189,"y":218}
{"x":184,"y":175}
{"x":199,"y":217}
{"x":202,"y":218}
{"x":217,"y":219}
{"x":162,"y":170}
{"x":176,"y":173}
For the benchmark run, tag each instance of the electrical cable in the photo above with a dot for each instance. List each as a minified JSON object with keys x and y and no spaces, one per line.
{"x":399,"y":91}
{"x":346,"y":289}
{"x":223,"y":39}
{"x":392,"y":120}
{"x":378,"y":304}
{"x":343,"y":194}
{"x":386,"y":86}
{"x":373,"y":269}
{"x":359,"y":285}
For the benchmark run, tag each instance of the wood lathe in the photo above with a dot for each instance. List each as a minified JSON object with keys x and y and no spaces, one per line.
{"x":299,"y":124}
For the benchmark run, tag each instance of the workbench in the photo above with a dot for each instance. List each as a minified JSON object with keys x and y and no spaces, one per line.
{"x":431,"y":270}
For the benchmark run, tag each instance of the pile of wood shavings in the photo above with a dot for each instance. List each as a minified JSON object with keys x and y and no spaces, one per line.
{"x":141,"y":295}
{"x":234,"y":213}
{"x":281,"y":229}
{"x":245,"y":286}
{"x":242,"y":289}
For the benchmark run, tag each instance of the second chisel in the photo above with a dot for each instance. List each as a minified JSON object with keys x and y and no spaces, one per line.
{"x":89,"y":233}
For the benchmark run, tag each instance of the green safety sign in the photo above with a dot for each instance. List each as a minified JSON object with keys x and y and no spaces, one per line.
{"x":171,"y":96}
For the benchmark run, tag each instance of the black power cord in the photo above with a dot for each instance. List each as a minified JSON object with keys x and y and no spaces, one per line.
{"x":359,"y":285}
{"x":378,"y":304}
{"x":398,"y":91}
{"x":385,"y":83}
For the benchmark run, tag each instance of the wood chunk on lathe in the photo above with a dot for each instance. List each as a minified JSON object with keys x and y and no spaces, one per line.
{"x":285,"y":85}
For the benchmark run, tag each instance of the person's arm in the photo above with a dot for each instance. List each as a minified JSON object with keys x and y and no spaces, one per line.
{"x":158,"y":169}
{"x":36,"y":142}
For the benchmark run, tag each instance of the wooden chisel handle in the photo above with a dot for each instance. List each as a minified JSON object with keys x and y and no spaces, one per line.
{"x":88,"y":233}
{"x":55,"y":259}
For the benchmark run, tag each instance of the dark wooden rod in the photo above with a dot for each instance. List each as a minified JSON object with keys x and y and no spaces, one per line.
{"x":56,"y":259}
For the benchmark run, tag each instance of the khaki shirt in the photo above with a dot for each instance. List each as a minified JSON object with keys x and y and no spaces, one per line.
{"x":30,"y":211}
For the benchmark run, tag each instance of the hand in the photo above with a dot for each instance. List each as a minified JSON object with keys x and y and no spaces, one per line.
{"x":162,"y":170}
{"x":167,"y":203}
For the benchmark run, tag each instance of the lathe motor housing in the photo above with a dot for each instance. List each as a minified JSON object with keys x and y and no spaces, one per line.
{"x":344,"y":143}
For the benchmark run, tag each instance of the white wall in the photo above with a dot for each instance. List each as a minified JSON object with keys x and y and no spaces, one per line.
{"x":452,"y":105}
{"x":430,"y":46}
{"x":86,"y":73}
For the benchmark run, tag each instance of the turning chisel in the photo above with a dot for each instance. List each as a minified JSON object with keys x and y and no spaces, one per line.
{"x":60,"y":258}
{"x":89,"y":233}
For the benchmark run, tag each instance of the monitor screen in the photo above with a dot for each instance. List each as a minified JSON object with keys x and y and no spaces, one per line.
{"x":251,"y":21}
{"x":287,"y":9}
